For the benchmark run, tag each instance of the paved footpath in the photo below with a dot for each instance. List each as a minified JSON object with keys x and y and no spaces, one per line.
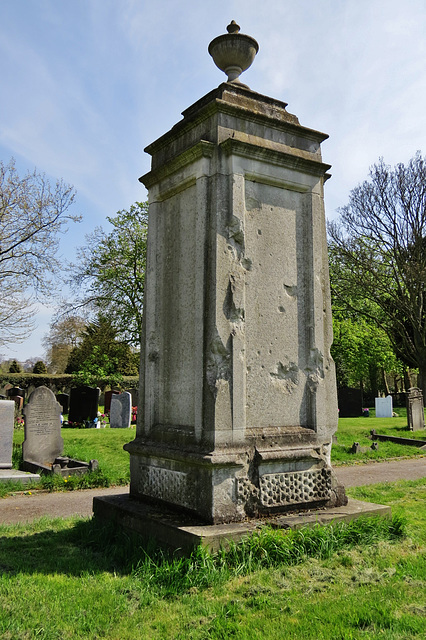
{"x":25,"y":507}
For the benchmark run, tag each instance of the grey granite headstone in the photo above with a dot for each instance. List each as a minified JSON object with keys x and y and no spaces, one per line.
{"x":121,"y":411}
{"x":7,"y":417}
{"x":43,"y":442}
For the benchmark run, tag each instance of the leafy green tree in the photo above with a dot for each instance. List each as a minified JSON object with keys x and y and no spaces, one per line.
{"x":362,"y":353}
{"x":379,"y":243}
{"x":39,"y":367}
{"x":98,"y":366}
{"x":110,"y":270}
{"x":15,"y":367}
{"x":33,"y":213}
{"x":100,"y":337}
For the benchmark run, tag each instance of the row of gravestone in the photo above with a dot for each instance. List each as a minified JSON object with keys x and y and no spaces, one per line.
{"x":82,"y":404}
{"x":350,"y":406}
{"x":43,"y":442}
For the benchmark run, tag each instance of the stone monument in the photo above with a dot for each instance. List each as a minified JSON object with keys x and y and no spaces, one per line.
{"x":415,"y":409}
{"x":7,"y":418}
{"x":43,"y":441}
{"x":237,"y":401}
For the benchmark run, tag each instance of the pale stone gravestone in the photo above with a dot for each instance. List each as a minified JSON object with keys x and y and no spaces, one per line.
{"x":7,"y":419}
{"x":121,"y":411}
{"x":350,"y":402}
{"x":107,"y":401}
{"x":64,"y":401}
{"x":415,"y":409}
{"x":43,"y":442}
{"x":84,"y":404}
{"x":238,"y":399}
{"x":384,"y":407}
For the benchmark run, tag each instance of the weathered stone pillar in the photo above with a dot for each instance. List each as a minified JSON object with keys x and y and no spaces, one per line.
{"x":238,"y":402}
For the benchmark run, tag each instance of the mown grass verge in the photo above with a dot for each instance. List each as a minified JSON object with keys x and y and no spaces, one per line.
{"x":354,"y":581}
{"x":352,"y":430}
{"x":104,"y":445}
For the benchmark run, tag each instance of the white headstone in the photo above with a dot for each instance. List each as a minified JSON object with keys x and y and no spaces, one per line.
{"x":384,"y":408}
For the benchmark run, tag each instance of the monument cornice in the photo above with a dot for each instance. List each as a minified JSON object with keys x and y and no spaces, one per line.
{"x":294,"y":159}
{"x":273,"y":116}
{"x":202,"y":149}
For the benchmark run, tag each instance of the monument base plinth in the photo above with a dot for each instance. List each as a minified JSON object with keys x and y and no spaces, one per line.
{"x":183,"y":532}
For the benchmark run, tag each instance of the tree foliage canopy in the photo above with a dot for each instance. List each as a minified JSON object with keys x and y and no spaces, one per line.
{"x":33,"y":213}
{"x":379,"y":247}
{"x":110,"y":269}
{"x":100,"y":338}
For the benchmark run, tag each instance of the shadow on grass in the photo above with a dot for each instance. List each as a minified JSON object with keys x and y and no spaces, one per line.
{"x":70,"y":547}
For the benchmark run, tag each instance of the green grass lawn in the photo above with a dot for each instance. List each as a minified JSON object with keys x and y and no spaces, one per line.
{"x":69,"y":579}
{"x":352,"y":430}
{"x":106,"y":445}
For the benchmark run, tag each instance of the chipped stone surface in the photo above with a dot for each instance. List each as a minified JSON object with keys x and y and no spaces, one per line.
{"x":237,"y":381}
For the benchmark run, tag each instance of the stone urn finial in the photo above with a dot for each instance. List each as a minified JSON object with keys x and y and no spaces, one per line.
{"x":233,"y":52}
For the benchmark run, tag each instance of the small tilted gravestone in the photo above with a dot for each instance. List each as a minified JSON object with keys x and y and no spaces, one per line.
{"x":121,"y":411}
{"x":43,"y":442}
{"x":384,"y":407}
{"x":7,"y":417}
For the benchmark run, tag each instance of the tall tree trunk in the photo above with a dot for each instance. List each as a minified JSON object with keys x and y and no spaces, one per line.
{"x":385,"y":383}
{"x":407,"y":379}
{"x":422,"y":381}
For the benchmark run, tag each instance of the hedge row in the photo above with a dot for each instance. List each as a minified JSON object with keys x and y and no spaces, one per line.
{"x":59,"y":381}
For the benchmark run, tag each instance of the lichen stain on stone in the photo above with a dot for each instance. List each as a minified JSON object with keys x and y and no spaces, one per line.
{"x":287,"y":376}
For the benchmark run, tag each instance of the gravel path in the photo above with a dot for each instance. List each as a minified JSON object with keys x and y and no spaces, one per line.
{"x":25,"y":507}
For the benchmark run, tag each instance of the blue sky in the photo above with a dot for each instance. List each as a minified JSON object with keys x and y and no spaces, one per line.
{"x":87,"y":84}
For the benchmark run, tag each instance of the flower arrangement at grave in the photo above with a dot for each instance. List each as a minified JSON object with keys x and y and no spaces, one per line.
{"x":134,"y":414}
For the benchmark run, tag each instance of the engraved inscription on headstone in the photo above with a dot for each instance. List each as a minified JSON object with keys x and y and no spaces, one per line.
{"x":7,"y":416}
{"x":43,"y":441}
